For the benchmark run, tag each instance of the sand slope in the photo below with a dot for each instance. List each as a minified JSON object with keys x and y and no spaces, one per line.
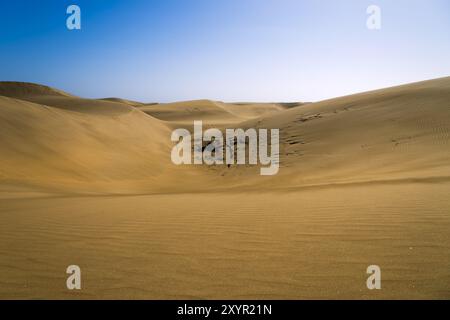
{"x":56,"y":148}
{"x":390,"y":134}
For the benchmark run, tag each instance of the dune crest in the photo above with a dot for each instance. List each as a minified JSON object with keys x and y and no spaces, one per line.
{"x":15,"y":89}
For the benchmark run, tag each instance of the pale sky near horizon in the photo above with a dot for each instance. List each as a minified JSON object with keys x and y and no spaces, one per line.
{"x":230,"y":50}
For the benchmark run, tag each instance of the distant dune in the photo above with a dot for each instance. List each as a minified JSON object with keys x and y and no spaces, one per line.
{"x":364,"y":179}
{"x":124,"y":101}
{"x":212,"y":112}
{"x":189,"y":111}
{"x":26,"y":90}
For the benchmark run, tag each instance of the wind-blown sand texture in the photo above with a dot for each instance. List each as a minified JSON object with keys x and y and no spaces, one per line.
{"x":363,"y":180}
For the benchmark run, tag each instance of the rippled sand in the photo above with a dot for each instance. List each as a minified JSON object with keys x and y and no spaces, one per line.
{"x":303,"y":244}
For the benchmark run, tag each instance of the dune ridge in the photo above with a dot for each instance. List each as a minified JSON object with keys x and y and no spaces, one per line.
{"x":26,"y":89}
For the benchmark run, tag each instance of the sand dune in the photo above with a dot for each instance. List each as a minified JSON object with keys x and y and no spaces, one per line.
{"x":364,"y":179}
{"x":252,"y":110}
{"x":26,"y":90}
{"x":124,"y":101}
{"x":390,"y":134}
{"x":188,"y":111}
{"x":50,"y":147}
{"x":211,"y":112}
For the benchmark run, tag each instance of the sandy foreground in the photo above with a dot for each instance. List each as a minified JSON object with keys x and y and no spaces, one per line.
{"x":294,"y":245}
{"x":364,"y":180}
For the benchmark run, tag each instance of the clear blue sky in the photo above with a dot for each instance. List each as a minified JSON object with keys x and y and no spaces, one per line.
{"x":232,"y":50}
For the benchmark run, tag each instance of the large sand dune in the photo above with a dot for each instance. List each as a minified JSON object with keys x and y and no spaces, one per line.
{"x":381,"y":136}
{"x":108,"y":147}
{"x":364,"y":179}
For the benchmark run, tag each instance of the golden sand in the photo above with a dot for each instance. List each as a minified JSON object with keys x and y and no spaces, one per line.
{"x":363,"y":180}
